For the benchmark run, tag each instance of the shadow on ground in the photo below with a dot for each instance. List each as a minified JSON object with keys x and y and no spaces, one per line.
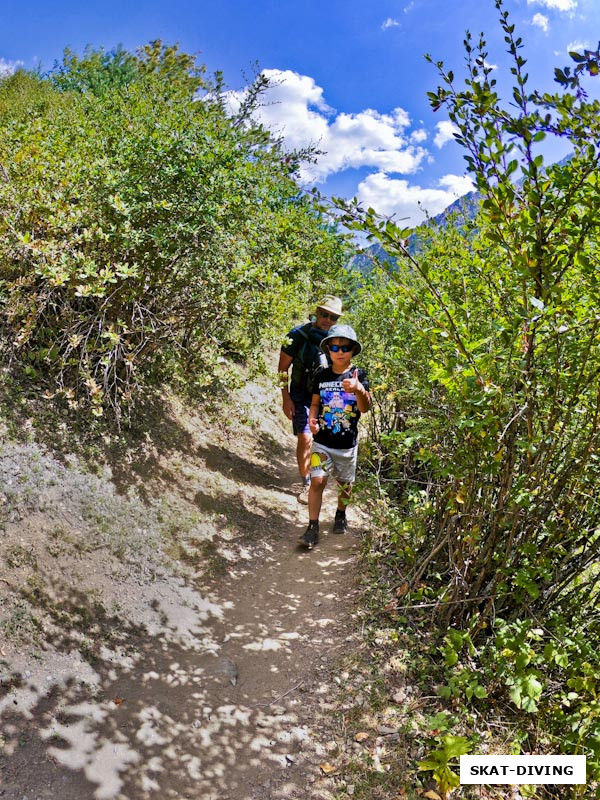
{"x":219,"y":695}
{"x":217,"y":713}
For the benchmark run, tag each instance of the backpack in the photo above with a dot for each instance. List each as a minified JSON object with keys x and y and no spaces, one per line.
{"x":311,"y":358}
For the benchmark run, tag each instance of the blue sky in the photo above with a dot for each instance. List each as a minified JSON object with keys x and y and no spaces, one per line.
{"x":350,"y":76}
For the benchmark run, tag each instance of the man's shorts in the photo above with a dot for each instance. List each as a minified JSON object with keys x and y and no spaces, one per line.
{"x":325,"y":461}
{"x":301,"y":408}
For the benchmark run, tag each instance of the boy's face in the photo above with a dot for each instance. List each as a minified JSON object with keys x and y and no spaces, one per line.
{"x":341,"y":351}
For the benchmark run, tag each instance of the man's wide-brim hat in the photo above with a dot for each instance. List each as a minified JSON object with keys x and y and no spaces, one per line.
{"x":332,"y":304}
{"x":341,"y":332}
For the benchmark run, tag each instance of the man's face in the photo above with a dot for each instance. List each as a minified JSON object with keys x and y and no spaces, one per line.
{"x":325,"y":319}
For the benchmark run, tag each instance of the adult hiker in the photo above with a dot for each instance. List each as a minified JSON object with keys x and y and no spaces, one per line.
{"x":340,"y":396}
{"x":302,"y":352}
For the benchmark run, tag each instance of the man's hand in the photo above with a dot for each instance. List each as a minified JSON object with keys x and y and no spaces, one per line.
{"x":313,"y":424}
{"x":288,"y":407}
{"x":351,"y":384}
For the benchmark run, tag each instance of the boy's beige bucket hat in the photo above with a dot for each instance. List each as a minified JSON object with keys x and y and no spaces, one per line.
{"x":341,"y":332}
{"x":332,"y":304}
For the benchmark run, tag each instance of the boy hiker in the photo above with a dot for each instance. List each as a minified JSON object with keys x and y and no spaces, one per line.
{"x":302,"y":353}
{"x":340,"y":396}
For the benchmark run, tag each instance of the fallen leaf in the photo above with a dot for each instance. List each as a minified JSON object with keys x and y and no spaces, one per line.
{"x":431,"y":795}
{"x":361,"y":736}
{"x":118,"y":700}
{"x":327,"y":768}
{"x":402,"y":589}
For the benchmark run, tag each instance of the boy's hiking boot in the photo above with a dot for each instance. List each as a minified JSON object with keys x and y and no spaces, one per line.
{"x":310,"y":537}
{"x":304,"y":489}
{"x":340,"y":523}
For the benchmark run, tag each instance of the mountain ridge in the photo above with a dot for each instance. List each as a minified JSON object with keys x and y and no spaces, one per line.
{"x":375,"y":255}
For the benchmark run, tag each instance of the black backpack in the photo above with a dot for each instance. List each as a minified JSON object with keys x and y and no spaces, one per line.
{"x":311,"y":358}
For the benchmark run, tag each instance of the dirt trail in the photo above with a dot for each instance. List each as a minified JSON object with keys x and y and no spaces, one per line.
{"x":230,"y":697}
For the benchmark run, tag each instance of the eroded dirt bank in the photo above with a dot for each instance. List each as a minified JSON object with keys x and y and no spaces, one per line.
{"x":163,"y":636}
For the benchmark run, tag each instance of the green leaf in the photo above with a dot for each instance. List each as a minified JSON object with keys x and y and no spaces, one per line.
{"x":427,"y":765}
{"x":528,"y":704}
{"x":455,"y":746}
{"x":531,"y":686}
{"x":456,"y":638}
{"x":451,"y":657}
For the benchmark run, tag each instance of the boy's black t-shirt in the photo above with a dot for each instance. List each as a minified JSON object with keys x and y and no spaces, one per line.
{"x":338,"y":412}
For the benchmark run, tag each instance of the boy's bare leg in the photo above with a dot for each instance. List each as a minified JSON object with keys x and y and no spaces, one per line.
{"x":340,"y":523}
{"x":344,"y":492}
{"x":315,"y":497}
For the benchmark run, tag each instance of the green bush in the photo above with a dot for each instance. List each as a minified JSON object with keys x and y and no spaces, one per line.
{"x":485,"y":367}
{"x":146,"y":230}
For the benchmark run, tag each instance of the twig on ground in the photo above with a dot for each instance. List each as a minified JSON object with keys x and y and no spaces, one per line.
{"x":277,"y":699}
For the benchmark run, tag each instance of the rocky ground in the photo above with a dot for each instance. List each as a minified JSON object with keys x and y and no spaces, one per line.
{"x":162,"y":635}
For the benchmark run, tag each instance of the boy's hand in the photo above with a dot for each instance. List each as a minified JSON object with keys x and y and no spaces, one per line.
{"x":351,"y":384}
{"x":313,"y":424}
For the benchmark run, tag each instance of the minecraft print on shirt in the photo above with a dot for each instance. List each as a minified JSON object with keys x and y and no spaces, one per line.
{"x":338,"y":409}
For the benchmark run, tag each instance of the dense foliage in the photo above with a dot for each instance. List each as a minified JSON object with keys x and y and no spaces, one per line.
{"x":487,"y":373}
{"x":146,"y":229}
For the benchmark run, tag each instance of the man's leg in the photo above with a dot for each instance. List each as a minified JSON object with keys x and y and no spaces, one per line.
{"x":304,"y":441}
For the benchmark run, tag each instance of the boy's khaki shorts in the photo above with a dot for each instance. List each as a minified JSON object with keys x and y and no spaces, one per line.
{"x":325,"y":461}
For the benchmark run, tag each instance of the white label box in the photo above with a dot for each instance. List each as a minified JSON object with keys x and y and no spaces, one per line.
{"x":498,"y":769}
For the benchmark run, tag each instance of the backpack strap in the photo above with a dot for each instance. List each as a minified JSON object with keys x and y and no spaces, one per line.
{"x":303,"y":331}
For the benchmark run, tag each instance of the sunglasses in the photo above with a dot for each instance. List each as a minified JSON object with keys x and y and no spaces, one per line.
{"x":327,"y":315}
{"x":345,"y":348}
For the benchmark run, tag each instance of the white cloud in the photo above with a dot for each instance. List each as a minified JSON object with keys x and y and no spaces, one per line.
{"x":446,"y":131}
{"x":420,"y":135}
{"x":578,"y":46}
{"x":8,"y":67}
{"x":540,"y":21}
{"x":294,"y":108}
{"x":487,"y":65}
{"x":389,"y":23}
{"x":407,"y":9}
{"x":410,"y":204}
{"x":559,"y":5}
{"x":457,"y":184}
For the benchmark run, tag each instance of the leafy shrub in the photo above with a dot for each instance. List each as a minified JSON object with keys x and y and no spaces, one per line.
{"x":486,"y":374}
{"x":486,"y":367}
{"x":146,"y":230}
